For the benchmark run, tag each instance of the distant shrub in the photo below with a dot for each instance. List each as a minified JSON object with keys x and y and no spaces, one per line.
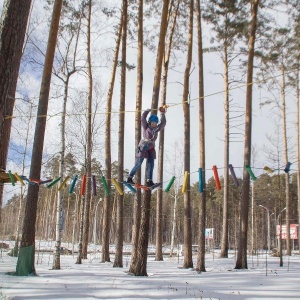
{"x":3,"y":245}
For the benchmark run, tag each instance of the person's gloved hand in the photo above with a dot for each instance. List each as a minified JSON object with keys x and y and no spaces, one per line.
{"x":163,"y":109}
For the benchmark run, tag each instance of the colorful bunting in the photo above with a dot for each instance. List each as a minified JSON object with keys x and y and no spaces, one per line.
{"x":250,"y":172}
{"x":19,"y":179}
{"x":235,"y":181}
{"x":105,"y":186}
{"x":129,"y":186}
{"x":216,"y":176}
{"x":53,"y":182}
{"x":11,"y":177}
{"x":268,"y":170}
{"x":71,"y":189}
{"x":185,"y":181}
{"x":83,"y":185}
{"x":200,"y":185}
{"x":170,"y":184}
{"x":63,"y":183}
{"x":118,"y":188}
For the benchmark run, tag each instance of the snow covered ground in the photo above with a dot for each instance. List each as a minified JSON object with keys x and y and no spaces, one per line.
{"x":166,"y":279}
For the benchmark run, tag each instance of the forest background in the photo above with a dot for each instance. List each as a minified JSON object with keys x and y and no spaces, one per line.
{"x":267,"y":142}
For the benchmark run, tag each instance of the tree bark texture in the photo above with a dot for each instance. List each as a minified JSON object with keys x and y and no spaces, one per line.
{"x":56,"y":256}
{"x":106,"y":224}
{"x":160,"y":54}
{"x":139,"y":269}
{"x":28,"y":232}
{"x":298,"y":148}
{"x":164,"y":81}
{"x":224,"y":243}
{"x":81,"y":228}
{"x":139,"y":90}
{"x":202,"y":205}
{"x":285,"y":152}
{"x":118,"y":262}
{"x":241,"y":262}
{"x":88,"y":160}
{"x":13,"y":25}
{"x":140,"y":265}
{"x":188,"y":261}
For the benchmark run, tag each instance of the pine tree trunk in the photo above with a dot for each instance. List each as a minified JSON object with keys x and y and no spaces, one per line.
{"x":298,"y":149}
{"x":164,"y":81}
{"x":139,"y":267}
{"x":202,"y":206}
{"x":188,"y":261}
{"x":13,"y":27}
{"x":139,"y":90}
{"x":241,"y":262}
{"x":88,"y":162}
{"x":160,"y":55}
{"x":118,"y":262}
{"x":285,"y":150}
{"x":106,"y":223}
{"x":81,"y":227}
{"x":26,"y":256}
{"x":159,"y":200}
{"x":224,"y":241}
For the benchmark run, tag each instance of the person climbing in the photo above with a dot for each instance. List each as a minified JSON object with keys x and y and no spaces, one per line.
{"x":146,"y":147}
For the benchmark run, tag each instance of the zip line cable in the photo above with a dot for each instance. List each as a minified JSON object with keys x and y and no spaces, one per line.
{"x":134,"y":111}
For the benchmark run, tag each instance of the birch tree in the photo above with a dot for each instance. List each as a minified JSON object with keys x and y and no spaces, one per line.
{"x":69,"y":66}
{"x":177,"y":170}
